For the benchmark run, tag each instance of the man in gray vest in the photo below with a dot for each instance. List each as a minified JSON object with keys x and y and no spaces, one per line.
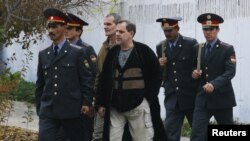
{"x":128,"y":89}
{"x":110,"y":22}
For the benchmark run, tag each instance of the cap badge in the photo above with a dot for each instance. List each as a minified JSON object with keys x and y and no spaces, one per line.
{"x":208,"y":17}
{"x":164,"y":20}
{"x":209,"y":22}
{"x":166,"y":24}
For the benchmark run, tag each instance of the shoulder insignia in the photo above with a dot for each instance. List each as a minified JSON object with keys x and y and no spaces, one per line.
{"x":93,"y":58}
{"x":233,"y":59}
{"x":86,"y":64}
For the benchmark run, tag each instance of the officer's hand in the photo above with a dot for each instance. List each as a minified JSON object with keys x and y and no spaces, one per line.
{"x":102,"y":111}
{"x":85,"y":110}
{"x":91,"y":112}
{"x":208,"y":88}
{"x":196,"y":74}
{"x":163,"y":61}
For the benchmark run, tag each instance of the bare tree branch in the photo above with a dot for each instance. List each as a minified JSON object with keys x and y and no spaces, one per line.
{"x":27,"y":16}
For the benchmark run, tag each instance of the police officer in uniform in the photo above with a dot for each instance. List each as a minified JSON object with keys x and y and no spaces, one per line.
{"x":177,"y":58}
{"x":64,"y":84}
{"x":73,"y":34}
{"x":218,"y":66}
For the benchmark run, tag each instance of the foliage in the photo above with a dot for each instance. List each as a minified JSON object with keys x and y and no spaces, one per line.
{"x":8,"y":82}
{"x":186,"y":129}
{"x":6,"y":107}
{"x":8,"y":133}
{"x":24,"y":92}
{"x":26,"y":16}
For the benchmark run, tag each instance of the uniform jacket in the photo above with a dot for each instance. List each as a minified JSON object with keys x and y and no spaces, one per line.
{"x":180,"y":87}
{"x":90,"y":53}
{"x":63,"y":83}
{"x":219,"y":68}
{"x":152,"y":78}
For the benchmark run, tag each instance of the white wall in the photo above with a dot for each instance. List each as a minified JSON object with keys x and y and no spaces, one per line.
{"x":235,"y":31}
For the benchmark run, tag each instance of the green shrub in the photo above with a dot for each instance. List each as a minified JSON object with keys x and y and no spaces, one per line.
{"x":24,"y":92}
{"x":8,"y":82}
{"x":186,"y":129}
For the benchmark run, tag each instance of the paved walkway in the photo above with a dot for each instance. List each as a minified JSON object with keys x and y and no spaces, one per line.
{"x":16,"y":118}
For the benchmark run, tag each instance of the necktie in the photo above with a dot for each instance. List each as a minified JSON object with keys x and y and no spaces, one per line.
{"x":171,"y":46}
{"x":208,"y":50}
{"x":56,"y":50}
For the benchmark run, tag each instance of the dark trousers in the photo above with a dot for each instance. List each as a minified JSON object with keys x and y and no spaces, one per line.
{"x":49,"y":129}
{"x":174,"y":121}
{"x":88,"y":130}
{"x":201,"y":120}
{"x":61,"y":135}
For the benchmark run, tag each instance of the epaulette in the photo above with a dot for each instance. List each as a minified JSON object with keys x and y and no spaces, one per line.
{"x":187,"y":38}
{"x":225,"y":44}
{"x":85,"y":44}
{"x":75,"y":46}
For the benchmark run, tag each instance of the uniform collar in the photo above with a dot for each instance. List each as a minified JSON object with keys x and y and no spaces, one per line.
{"x":60,"y":45}
{"x":175,"y":41}
{"x":213,"y":42}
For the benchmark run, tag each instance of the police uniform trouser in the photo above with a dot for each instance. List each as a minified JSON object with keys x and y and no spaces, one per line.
{"x":174,"y":121}
{"x":201,"y":120}
{"x":49,"y":128}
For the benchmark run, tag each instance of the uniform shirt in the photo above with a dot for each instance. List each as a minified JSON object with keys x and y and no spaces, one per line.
{"x":60,"y":45}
